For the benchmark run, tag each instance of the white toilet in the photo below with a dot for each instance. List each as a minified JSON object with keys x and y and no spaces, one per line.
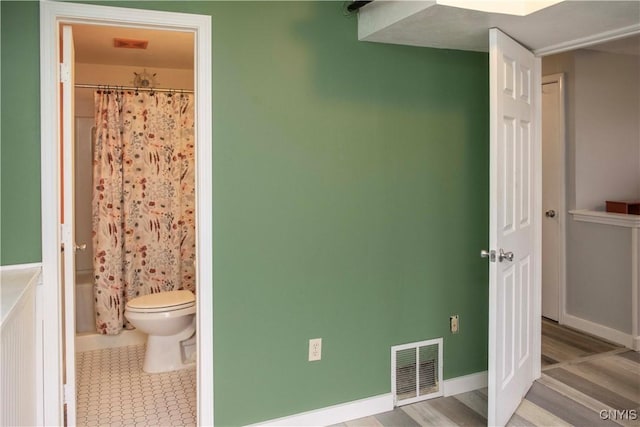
{"x":170,"y":321}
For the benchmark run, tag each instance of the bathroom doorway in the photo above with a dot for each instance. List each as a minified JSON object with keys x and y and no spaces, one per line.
{"x":160,"y":64}
{"x":57,"y":393}
{"x":137,"y":82}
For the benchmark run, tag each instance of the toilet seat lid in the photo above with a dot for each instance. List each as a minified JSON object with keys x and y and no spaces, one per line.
{"x":162,"y":301}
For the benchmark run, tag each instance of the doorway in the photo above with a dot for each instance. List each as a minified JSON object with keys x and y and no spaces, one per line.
{"x":553,"y":196}
{"x":600,"y":140}
{"x":55,"y":395}
{"x":108,"y":63}
{"x":598,"y":79}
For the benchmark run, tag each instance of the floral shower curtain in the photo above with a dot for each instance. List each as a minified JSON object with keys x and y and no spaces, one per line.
{"x":143,"y":199}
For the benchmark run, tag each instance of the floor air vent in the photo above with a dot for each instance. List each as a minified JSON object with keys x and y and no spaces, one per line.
{"x":416,"y":371}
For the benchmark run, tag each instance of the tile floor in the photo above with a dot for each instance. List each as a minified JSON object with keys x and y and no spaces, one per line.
{"x":113,"y":390}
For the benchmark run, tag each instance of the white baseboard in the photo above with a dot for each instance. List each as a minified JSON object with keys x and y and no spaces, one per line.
{"x":335,"y":414}
{"x":599,"y":330}
{"x":370,"y":406}
{"x":636,"y":343}
{"x":465,"y":383}
{"x":20,"y":266}
{"x":92,"y":341}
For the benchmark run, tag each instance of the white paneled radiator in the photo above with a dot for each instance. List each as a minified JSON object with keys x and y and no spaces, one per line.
{"x":416,"y":371}
{"x":18,"y":350}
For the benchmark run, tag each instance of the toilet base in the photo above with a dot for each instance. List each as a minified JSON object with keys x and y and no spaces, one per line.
{"x":165,"y":353}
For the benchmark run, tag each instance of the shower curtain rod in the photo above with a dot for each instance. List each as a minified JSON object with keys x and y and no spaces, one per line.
{"x":115,"y":87}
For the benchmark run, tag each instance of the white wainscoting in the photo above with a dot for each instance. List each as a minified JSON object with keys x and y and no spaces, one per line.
{"x":19,"y":373}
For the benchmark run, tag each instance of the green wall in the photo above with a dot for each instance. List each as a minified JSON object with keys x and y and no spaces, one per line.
{"x":19,"y":134}
{"x":350,"y":200}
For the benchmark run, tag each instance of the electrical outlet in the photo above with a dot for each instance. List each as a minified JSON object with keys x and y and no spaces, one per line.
{"x":315,"y":349}
{"x":454,"y":322}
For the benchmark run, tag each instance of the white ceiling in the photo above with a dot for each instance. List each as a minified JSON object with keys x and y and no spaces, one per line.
{"x":166,"y":49}
{"x":437,"y":24}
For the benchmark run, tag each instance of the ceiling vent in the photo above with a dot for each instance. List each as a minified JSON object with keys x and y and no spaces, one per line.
{"x":130,"y":43}
{"x":416,"y":371}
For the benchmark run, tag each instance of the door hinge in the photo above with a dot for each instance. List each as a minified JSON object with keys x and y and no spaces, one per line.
{"x":69,"y":391}
{"x":65,"y":232}
{"x":65,"y":235}
{"x":65,"y":73}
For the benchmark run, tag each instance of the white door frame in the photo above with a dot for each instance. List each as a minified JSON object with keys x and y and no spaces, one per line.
{"x":562,"y":208}
{"x":51,"y":15}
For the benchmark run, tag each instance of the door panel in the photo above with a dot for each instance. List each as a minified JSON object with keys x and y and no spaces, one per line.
{"x":552,"y":186}
{"x":68,"y":227}
{"x":514,"y":78}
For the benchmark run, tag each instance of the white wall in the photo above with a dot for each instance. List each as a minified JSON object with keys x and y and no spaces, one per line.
{"x":602,"y":125}
{"x":599,"y":265}
{"x":603,"y":163}
{"x":607,"y":129}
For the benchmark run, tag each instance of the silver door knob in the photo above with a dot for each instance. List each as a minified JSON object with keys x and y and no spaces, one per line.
{"x":550,"y":213}
{"x":81,"y":247}
{"x":505,"y":255}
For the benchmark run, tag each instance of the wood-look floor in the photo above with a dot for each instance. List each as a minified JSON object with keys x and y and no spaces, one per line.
{"x":562,"y":344}
{"x":581,"y":376}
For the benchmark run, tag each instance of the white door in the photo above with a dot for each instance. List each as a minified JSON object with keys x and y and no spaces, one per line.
{"x":552,"y":196}
{"x":68,"y":226}
{"x":514,"y":132}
